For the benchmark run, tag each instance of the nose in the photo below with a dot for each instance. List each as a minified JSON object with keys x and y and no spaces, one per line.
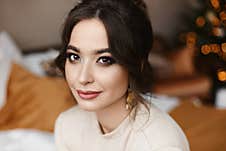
{"x":85,"y":75}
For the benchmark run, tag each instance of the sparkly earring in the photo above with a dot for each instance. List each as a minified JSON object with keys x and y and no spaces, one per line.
{"x":130,"y":100}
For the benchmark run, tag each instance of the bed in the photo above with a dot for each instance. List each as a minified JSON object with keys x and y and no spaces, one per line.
{"x":31,"y":100}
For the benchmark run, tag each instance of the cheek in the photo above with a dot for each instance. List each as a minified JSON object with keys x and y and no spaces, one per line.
{"x":70,"y":73}
{"x":114,"y":80}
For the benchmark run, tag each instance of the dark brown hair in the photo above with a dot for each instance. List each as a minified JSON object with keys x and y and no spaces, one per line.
{"x":129,"y":34}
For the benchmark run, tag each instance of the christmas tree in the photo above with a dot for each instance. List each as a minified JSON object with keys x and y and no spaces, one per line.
{"x":205,"y":29}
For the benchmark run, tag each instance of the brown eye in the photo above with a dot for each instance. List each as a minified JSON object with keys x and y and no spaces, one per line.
{"x":106,"y":60}
{"x":73,"y":57}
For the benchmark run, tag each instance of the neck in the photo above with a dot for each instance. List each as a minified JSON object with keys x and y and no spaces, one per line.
{"x":109,"y":118}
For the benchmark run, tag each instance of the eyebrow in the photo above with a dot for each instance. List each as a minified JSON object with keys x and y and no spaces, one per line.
{"x":74,"y":48}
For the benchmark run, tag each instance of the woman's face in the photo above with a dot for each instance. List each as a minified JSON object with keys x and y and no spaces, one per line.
{"x":93,"y":75}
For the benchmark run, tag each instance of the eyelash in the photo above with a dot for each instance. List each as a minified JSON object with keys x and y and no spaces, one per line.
{"x":104,"y":60}
{"x":70,"y":55}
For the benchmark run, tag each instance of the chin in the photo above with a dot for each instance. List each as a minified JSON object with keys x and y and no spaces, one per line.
{"x":88,"y":106}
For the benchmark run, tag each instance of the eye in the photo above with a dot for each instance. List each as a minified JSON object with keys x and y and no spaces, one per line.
{"x":73,"y":58}
{"x":106,"y":60}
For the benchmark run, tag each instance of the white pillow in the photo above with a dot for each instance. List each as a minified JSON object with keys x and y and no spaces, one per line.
{"x":5,"y":66}
{"x":221,"y":98}
{"x":26,"y":140}
{"x":8,"y":52}
{"x":33,"y":62}
{"x":8,"y":48}
{"x":163,"y":102}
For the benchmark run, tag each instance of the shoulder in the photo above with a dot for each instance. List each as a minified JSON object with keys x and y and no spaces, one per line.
{"x":73,"y":117}
{"x":71,"y":123}
{"x":159,"y":129}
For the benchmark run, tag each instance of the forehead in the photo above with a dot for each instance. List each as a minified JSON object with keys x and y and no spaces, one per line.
{"x":89,"y":34}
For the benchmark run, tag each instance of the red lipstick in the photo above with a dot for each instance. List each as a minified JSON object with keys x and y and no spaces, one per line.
{"x":88,"y":95}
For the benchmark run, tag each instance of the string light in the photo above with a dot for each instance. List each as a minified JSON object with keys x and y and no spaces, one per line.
{"x":219,"y":32}
{"x":200,"y":21}
{"x":221,"y":75}
{"x":215,"y":48}
{"x":191,"y":39}
{"x":210,"y":15}
{"x":210,"y":33}
{"x":223,"y":17}
{"x":215,"y":4}
{"x":223,"y":47}
{"x":205,"y":49}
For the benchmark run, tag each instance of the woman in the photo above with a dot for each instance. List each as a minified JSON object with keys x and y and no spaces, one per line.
{"x":104,"y":59}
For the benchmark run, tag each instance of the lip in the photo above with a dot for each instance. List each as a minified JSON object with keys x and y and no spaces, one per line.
{"x":88,"y":95}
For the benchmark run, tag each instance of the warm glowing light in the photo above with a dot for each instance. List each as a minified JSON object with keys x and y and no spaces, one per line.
{"x":215,"y":48}
{"x":219,"y":32}
{"x":223,"y":15}
{"x":223,"y":47}
{"x":191,"y":39}
{"x":215,"y":3}
{"x":222,"y":75}
{"x":205,"y":49}
{"x":200,"y":21}
{"x":213,"y":18}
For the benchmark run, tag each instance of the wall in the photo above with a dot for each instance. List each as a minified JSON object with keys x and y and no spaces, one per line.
{"x":34,"y":23}
{"x":165,"y":15}
{"x":37,"y":23}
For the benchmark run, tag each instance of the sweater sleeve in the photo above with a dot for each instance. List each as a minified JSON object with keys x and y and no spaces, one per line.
{"x":59,"y":139}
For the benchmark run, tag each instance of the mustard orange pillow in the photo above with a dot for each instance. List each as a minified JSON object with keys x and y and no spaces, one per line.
{"x":33,"y":101}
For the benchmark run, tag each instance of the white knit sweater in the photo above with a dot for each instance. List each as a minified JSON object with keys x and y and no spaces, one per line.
{"x":78,"y":130}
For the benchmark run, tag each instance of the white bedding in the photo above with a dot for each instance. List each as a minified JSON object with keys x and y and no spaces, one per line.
{"x":10,"y":52}
{"x":26,"y":140}
{"x":33,"y":140}
{"x":4,"y":74}
{"x":221,"y":98}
